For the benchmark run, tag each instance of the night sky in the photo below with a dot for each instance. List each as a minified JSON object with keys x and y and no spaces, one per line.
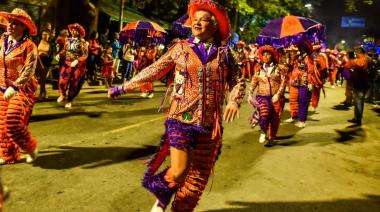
{"x":330,"y":12}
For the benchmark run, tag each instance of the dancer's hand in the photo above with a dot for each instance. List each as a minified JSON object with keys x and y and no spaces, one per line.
{"x":9,"y":93}
{"x":115,"y":92}
{"x":310,"y":87}
{"x":231,"y":112}
{"x":275,"y":98}
{"x":74,"y":63}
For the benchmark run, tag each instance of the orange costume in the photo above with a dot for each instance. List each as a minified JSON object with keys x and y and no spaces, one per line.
{"x":243,"y":60}
{"x":72,"y":75}
{"x":270,"y":81}
{"x":17,"y":67}
{"x":302,"y":78}
{"x":321,"y":62}
{"x":333,"y":63}
{"x":201,"y":79}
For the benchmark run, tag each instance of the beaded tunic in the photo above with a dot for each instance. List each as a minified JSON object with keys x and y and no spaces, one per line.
{"x":270,"y":80}
{"x":17,"y":62}
{"x":199,"y":83}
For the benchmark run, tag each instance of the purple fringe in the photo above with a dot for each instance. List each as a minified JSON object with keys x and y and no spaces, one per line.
{"x":254,"y":118}
{"x":265,"y":101}
{"x":159,"y":187}
{"x":139,"y":37}
{"x":315,"y":34}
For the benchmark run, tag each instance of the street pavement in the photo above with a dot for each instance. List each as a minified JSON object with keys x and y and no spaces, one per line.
{"x":92,"y":159}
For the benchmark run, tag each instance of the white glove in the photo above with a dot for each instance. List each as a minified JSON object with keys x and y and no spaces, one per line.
{"x":74,"y":63}
{"x":310,"y":87}
{"x":9,"y":93}
{"x":275,"y":98}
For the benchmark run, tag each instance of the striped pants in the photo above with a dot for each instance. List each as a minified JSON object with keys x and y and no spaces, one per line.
{"x":204,"y":152}
{"x":299,"y":100}
{"x":14,"y":133}
{"x":293,"y":101}
{"x":71,"y":78}
{"x":315,"y":95}
{"x":270,"y":114}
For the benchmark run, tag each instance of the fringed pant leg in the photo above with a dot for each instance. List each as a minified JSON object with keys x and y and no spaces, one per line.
{"x":64,"y":78}
{"x":276,"y":118}
{"x":303,"y":102}
{"x":265,"y":111}
{"x":163,"y":185}
{"x":14,"y":131}
{"x":293,"y":101}
{"x":315,"y":95}
{"x":205,"y":154}
{"x":76,"y":81}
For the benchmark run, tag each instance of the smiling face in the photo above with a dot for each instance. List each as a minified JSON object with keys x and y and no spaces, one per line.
{"x":203,"y":25}
{"x":15,"y":28}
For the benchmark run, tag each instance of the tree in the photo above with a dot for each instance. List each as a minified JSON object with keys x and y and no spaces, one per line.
{"x":264,"y":11}
{"x":351,"y":5}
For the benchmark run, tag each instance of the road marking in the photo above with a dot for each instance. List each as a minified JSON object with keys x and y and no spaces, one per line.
{"x":108,"y":132}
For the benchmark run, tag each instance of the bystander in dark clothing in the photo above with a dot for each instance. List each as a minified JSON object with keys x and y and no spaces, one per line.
{"x":360,"y":82}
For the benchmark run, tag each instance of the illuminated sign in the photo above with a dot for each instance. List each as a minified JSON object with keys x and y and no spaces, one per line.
{"x":353,"y":22}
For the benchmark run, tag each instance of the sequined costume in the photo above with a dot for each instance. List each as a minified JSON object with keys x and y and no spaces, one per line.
{"x":194,"y":117}
{"x":302,"y":77}
{"x":269,"y":80}
{"x":321,"y":62}
{"x":72,"y":78}
{"x":17,"y":68}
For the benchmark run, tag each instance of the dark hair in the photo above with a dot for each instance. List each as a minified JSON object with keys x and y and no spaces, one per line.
{"x":305,"y":46}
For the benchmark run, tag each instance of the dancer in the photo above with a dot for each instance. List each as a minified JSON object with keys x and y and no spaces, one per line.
{"x":74,"y":68}
{"x":270,"y":80}
{"x":321,"y":63}
{"x":18,"y":56}
{"x":302,"y":78}
{"x":243,"y":60}
{"x":203,"y":68}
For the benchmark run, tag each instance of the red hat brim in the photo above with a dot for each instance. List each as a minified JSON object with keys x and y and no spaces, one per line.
{"x":32,"y":29}
{"x":270,"y":49}
{"x":78,"y":27}
{"x":214,"y":8}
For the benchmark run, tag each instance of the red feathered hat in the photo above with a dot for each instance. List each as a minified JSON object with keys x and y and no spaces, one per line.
{"x":23,"y":17}
{"x":78,"y":27}
{"x":270,"y":49}
{"x":214,"y":8}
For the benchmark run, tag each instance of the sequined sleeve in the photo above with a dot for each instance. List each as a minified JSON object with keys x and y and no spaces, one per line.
{"x":29,"y":66}
{"x":156,"y":70}
{"x":281,"y":89}
{"x":236,"y":84}
{"x":84,"y":46}
{"x":254,"y":80}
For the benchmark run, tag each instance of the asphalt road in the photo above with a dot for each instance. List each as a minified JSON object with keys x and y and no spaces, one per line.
{"x":92,"y":159}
